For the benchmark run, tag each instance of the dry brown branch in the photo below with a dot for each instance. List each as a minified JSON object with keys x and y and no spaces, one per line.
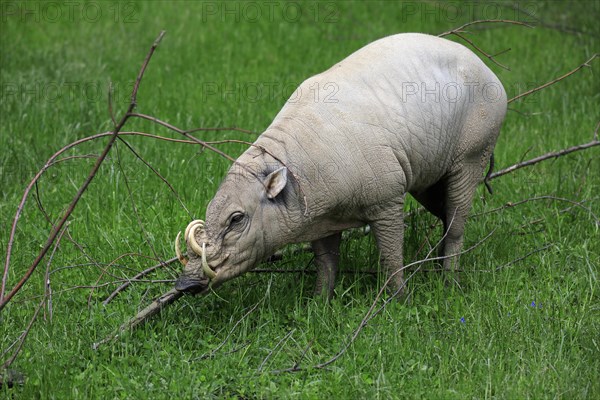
{"x":5,"y":298}
{"x":152,"y":309}
{"x":484,"y":53}
{"x":458,"y":32}
{"x":535,"y":160}
{"x":182,"y":132}
{"x":461,"y":28}
{"x":552,"y":82}
{"x":136,"y":277}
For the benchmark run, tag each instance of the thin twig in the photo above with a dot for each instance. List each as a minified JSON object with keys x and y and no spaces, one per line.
{"x":182,"y":132}
{"x":487,"y":55}
{"x":308,"y":346}
{"x":136,"y":277}
{"x":461,"y":28}
{"x":552,"y":82}
{"x":554,"y":154}
{"x":152,"y":309}
{"x":162,"y":178}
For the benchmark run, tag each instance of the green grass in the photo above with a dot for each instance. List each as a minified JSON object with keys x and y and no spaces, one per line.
{"x":530,"y":328}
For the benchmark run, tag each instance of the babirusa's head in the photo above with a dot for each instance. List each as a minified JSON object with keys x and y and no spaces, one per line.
{"x":246,"y":221}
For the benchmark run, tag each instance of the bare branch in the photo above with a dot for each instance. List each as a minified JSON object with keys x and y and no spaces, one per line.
{"x":184,"y":133}
{"x":137,"y":277}
{"x":4,"y":299}
{"x":458,"y":32}
{"x":552,"y":82}
{"x":554,"y":154}
{"x":152,"y":309}
{"x":487,"y":55}
{"x":461,"y":28}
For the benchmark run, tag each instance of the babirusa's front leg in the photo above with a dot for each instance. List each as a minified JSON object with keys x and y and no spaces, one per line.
{"x":388,"y":229}
{"x":327,"y":255}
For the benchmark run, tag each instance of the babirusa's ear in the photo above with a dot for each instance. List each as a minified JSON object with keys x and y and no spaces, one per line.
{"x":275,"y":182}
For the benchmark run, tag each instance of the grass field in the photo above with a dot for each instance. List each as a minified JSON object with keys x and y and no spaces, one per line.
{"x":514,"y":329}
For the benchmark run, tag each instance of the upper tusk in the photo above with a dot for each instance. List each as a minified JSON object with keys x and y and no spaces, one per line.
{"x":191,"y":225}
{"x":190,"y":235}
{"x":210,"y":274}
{"x":180,"y":256}
{"x":192,"y":240}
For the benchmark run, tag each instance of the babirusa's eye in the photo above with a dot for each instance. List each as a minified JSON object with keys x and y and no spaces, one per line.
{"x":236,"y":218}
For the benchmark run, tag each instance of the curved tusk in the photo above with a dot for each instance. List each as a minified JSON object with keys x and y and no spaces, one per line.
{"x":180,"y":256}
{"x":210,"y":274}
{"x":192,"y":224}
{"x":191,"y":238}
{"x":201,"y":251}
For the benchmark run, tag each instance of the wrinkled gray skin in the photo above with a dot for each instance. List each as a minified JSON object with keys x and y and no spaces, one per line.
{"x":409,"y":113}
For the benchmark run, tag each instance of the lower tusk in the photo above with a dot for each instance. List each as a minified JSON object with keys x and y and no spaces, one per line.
{"x":210,"y":274}
{"x":180,"y":256}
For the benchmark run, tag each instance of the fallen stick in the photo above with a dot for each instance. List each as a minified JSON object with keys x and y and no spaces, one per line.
{"x":152,"y":309}
{"x":553,"y":154}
